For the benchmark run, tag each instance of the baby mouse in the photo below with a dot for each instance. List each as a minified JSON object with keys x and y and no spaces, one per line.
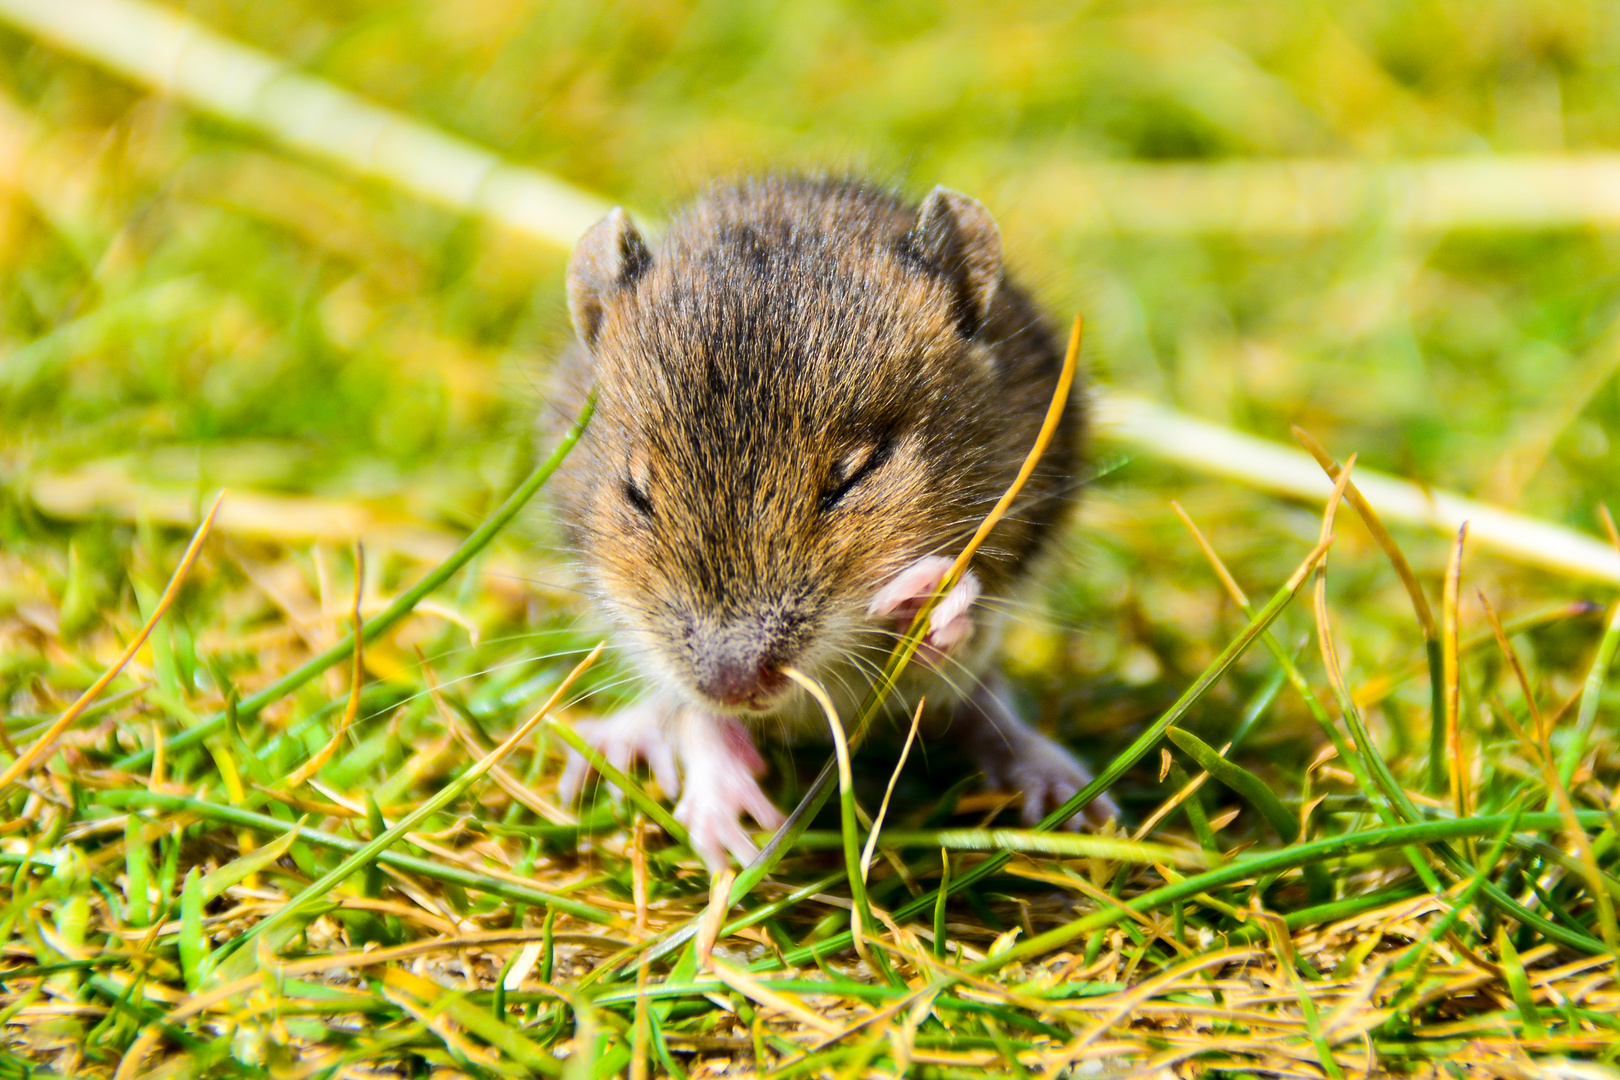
{"x":809,"y":394}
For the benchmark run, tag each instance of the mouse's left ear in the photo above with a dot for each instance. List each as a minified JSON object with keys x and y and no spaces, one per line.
{"x":957,"y":235}
{"x":607,"y":260}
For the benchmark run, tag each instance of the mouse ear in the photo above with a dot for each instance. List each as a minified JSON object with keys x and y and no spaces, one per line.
{"x":608,"y":259}
{"x":958,"y":236}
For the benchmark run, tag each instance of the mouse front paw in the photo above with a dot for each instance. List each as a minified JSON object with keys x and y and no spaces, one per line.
{"x":722,"y":769}
{"x":637,"y":733}
{"x":949,"y":624}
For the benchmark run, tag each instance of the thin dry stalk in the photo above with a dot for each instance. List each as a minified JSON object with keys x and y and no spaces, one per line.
{"x":888,"y":792}
{"x":47,"y":739}
{"x":357,"y":677}
{"x":1580,"y":843}
{"x":1370,"y":518}
{"x":1452,"y":675}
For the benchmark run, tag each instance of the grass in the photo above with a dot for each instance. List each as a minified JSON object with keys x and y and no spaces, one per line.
{"x":1371,"y":818}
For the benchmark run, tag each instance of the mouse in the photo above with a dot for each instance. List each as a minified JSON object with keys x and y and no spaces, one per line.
{"x":809,"y":393}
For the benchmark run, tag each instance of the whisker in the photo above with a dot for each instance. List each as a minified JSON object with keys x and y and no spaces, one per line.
{"x":944,"y":676}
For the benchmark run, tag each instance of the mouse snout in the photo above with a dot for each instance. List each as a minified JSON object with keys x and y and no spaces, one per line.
{"x":740,"y":680}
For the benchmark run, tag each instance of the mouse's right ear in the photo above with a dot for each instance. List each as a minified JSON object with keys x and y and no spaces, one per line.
{"x":607,"y":260}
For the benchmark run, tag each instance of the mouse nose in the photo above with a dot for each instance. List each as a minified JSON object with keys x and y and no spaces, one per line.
{"x":741,"y":681}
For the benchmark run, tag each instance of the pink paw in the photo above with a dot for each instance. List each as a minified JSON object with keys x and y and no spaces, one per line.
{"x":638,"y":733}
{"x":950,"y":623}
{"x":722,"y":768}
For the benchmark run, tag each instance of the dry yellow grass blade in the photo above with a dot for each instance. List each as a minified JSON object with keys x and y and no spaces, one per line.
{"x":1369,"y":517}
{"x":888,"y":792}
{"x":1324,"y":635}
{"x":1448,"y":656}
{"x":756,"y":991}
{"x":1054,"y":413}
{"x":1122,"y":1004}
{"x":356,"y":681}
{"x":47,"y":738}
{"x":512,"y":785}
{"x":197,"y":1004}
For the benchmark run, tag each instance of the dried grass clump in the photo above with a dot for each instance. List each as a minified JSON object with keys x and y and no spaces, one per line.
{"x":260,"y":893}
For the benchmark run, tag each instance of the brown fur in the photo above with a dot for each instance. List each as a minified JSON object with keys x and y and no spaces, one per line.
{"x":784,"y":331}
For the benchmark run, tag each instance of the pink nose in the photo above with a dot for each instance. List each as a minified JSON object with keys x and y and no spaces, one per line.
{"x":732,"y":682}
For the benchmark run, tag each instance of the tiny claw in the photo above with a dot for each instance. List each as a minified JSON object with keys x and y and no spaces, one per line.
{"x":638,"y":733}
{"x":722,"y":766}
{"x":714,"y":831}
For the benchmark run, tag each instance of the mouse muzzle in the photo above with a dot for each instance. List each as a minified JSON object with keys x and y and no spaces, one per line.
{"x":739,"y":669}
{"x":742,"y":684}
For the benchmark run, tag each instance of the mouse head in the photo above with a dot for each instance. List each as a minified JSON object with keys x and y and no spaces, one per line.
{"x":797,"y":397}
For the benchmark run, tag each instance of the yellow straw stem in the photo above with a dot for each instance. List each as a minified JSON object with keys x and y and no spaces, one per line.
{"x":1452,"y":678}
{"x":357,"y":679}
{"x":43,"y":744}
{"x":1054,"y":415}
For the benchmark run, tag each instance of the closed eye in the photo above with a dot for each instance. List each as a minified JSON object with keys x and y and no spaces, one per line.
{"x":638,"y":498}
{"x":853,"y":469}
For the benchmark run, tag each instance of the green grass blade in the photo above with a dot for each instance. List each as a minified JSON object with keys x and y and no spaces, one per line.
{"x":393,"y":613}
{"x":138,"y":872}
{"x":1026,"y":841}
{"x":1519,"y":986}
{"x":1238,"y":870}
{"x":240,"y":962}
{"x":427,"y":868}
{"x":1591,"y":696}
{"x":1258,"y":795}
{"x":194,"y":951}
{"x":1253,"y":790}
{"x":1193,"y":804}
{"x":217,"y":881}
{"x":1482,"y":875}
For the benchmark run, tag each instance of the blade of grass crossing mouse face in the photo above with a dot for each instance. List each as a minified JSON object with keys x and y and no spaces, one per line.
{"x":821,"y":790}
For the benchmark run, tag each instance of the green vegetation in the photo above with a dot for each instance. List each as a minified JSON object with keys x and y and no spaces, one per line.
{"x":1383,"y":837}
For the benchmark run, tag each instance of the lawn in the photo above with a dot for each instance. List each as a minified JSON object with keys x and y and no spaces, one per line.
{"x":1371,"y":788}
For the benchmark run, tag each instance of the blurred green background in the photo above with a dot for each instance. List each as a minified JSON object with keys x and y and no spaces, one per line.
{"x":188,"y":305}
